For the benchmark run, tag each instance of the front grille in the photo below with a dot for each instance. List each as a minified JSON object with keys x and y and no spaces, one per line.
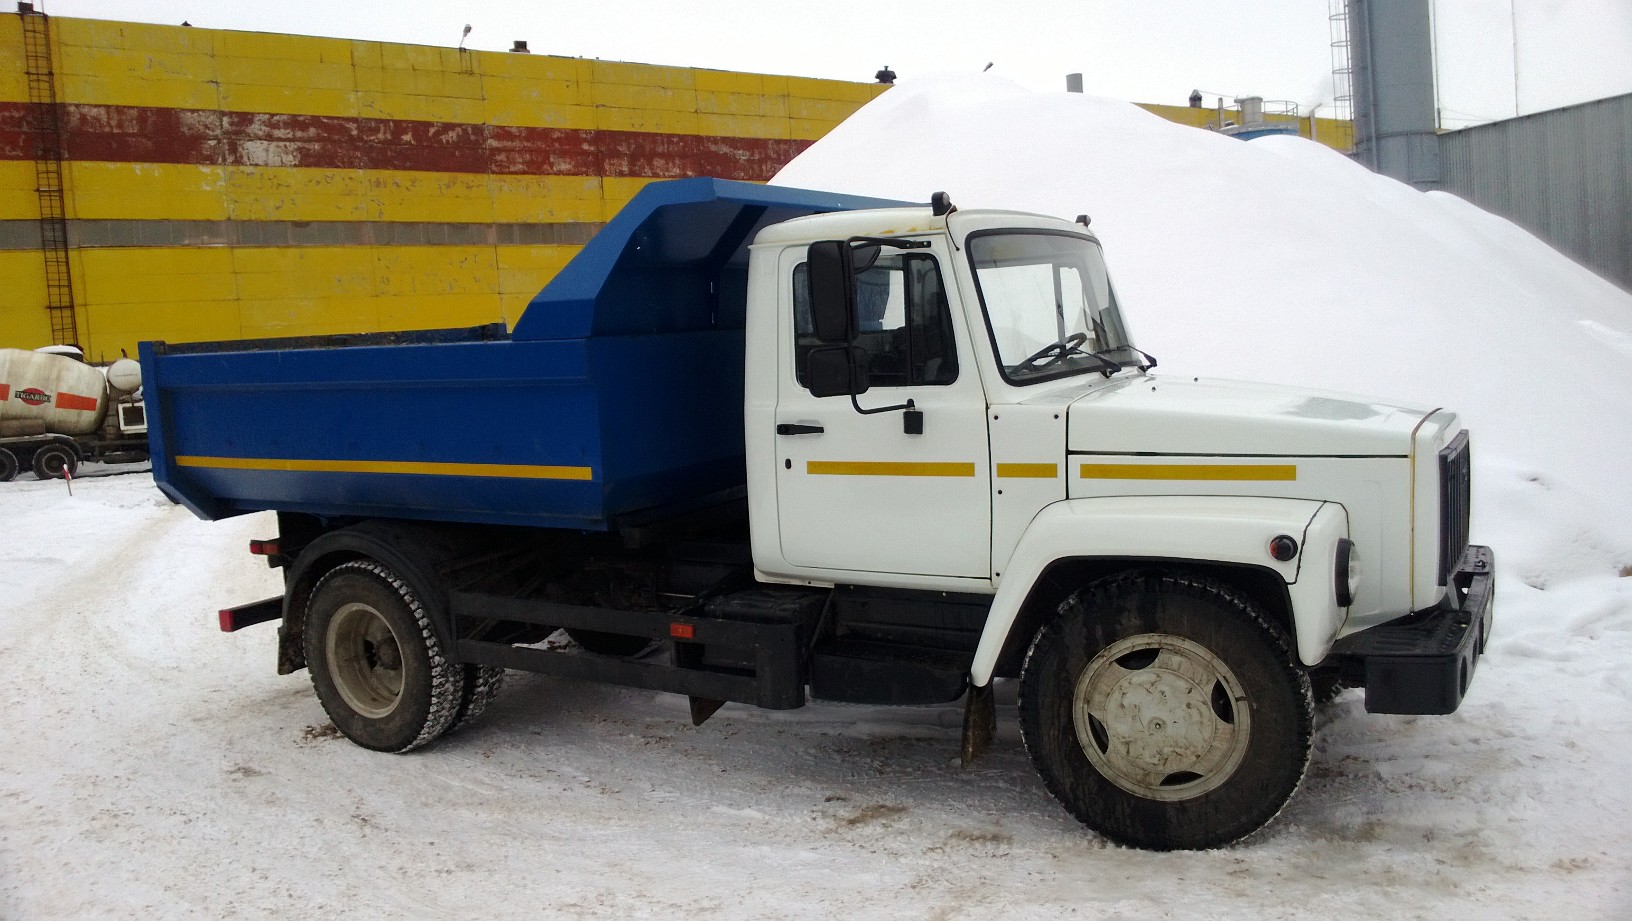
{"x":1455,"y":487}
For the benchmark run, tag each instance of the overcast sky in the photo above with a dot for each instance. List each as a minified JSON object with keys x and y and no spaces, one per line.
{"x":1567,"y":51}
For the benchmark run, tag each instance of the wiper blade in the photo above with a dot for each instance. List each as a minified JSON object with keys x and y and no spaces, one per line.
{"x":1146,"y":365}
{"x":1107,"y":366}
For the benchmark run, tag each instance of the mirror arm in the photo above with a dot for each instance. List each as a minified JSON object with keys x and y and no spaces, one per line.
{"x":881,"y":409}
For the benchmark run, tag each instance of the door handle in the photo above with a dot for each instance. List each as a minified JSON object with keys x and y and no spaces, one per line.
{"x":789,"y":428}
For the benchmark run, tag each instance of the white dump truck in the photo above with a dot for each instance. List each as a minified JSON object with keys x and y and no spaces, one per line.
{"x":57,"y":411}
{"x":758,"y":444}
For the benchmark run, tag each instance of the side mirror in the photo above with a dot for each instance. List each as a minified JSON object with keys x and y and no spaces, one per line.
{"x":836,"y":371}
{"x":832,"y":292}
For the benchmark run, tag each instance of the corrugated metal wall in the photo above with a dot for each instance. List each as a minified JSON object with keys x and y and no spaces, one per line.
{"x":1564,"y":175}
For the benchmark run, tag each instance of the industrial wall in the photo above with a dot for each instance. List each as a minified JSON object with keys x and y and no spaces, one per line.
{"x":219,"y":185}
{"x":1563,"y":175}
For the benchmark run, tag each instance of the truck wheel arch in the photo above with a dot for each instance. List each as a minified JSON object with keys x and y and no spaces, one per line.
{"x":1065,"y":576}
{"x":1223,"y":537}
{"x":412,"y":551}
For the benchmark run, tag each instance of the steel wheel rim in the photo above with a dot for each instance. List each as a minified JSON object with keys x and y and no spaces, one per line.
{"x":1161,"y":717}
{"x":365,"y":660}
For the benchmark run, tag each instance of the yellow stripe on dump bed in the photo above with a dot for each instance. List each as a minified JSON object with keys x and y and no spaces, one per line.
{"x":427,"y":468}
{"x":1189,"y":472}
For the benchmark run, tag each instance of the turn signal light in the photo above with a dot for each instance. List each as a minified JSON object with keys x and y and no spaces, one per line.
{"x":263,"y":547}
{"x":1282,"y":547}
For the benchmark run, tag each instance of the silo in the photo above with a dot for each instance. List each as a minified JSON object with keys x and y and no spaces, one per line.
{"x":1394,"y":130}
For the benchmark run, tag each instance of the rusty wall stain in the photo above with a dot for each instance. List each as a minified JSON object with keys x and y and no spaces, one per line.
{"x":137,"y":134}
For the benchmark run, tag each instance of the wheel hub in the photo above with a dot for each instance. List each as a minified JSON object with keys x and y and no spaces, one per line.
{"x":1161,"y":717}
{"x":365,"y":660}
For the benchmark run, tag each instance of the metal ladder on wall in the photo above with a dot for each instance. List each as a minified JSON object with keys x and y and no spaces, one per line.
{"x":47,"y":125}
{"x":1342,"y":60}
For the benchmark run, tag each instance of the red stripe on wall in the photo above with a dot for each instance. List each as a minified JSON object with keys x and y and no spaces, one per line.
{"x":19,"y":134}
{"x":139,"y":134}
{"x":75,"y":401}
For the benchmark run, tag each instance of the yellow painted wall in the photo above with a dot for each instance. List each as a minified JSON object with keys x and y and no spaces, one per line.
{"x":125,"y":291}
{"x":1336,"y":134}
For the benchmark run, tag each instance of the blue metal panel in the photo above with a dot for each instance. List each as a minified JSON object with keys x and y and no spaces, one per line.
{"x":289,"y":429}
{"x":679,"y":437}
{"x":657,"y":266}
{"x":1255,"y":133}
{"x":620,"y":390}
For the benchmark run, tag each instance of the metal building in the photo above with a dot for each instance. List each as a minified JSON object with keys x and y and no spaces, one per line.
{"x":1564,"y":175}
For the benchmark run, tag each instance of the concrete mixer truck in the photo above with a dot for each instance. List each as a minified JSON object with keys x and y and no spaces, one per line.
{"x":57,"y":411}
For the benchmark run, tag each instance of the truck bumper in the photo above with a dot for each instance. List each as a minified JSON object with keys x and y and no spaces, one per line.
{"x":1423,"y":662}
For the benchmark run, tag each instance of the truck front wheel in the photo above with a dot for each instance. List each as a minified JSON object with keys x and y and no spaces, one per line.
{"x":1165,"y":712}
{"x":376,"y":663}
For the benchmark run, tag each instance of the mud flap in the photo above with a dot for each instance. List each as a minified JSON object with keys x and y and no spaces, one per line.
{"x":291,"y":650}
{"x":702,"y":708}
{"x":979,"y":722}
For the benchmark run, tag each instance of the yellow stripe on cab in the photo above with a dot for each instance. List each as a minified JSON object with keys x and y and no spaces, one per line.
{"x":888,"y":468}
{"x":1189,"y":472}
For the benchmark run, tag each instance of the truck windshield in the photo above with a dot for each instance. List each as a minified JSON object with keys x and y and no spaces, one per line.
{"x":1049,"y":305}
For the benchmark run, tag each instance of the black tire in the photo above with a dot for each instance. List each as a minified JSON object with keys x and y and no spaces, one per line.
{"x":608,"y":644}
{"x":479,"y":685}
{"x":1195,"y":726}
{"x":53,"y":462}
{"x":8,"y":465}
{"x":376,"y":663}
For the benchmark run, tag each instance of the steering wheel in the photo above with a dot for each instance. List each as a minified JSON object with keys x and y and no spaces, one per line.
{"x":1054,"y":351}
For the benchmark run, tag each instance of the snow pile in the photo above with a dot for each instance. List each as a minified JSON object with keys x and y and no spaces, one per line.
{"x":1280,"y":260}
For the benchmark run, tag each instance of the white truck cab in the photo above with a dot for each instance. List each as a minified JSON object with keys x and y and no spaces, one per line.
{"x":952,"y":401}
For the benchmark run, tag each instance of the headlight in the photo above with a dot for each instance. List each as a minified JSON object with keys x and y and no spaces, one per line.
{"x":1345,"y":572}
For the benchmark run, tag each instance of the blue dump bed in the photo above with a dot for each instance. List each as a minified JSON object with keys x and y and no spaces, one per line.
{"x":618,"y":392}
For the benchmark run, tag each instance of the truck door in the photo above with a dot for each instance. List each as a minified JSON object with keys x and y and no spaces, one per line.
{"x":856,"y":491}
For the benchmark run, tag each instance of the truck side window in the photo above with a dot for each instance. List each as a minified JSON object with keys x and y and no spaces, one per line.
{"x":904,"y":322}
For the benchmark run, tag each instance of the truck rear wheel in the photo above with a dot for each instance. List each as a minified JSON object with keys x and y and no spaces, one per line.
{"x":376,"y":663}
{"x":480,"y":685}
{"x":53,"y":462}
{"x":1165,"y":712}
{"x":8,"y":465}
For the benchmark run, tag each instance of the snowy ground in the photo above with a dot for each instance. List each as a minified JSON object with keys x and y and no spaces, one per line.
{"x":153,"y":767}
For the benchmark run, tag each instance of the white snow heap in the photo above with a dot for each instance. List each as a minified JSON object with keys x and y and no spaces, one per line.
{"x":1281,"y":260}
